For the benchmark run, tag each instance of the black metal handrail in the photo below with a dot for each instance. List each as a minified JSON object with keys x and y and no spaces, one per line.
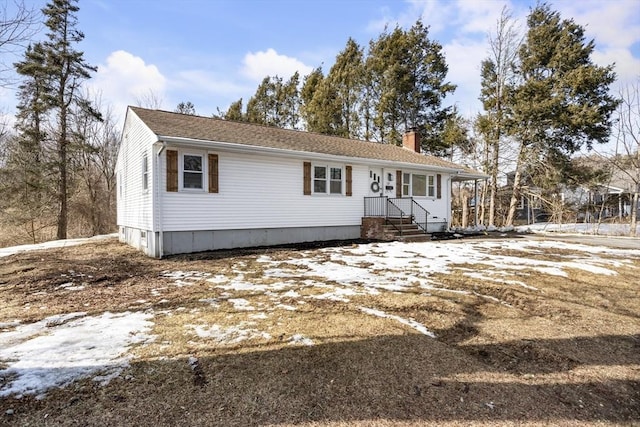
{"x":394,"y":208}
{"x":398,"y":208}
{"x":420,"y":215}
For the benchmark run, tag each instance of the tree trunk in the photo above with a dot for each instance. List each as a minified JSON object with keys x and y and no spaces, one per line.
{"x":483,"y":200}
{"x":62,"y":165}
{"x":465,"y":209}
{"x":633,"y":224}
{"x":494,"y":183}
{"x":515,"y":193}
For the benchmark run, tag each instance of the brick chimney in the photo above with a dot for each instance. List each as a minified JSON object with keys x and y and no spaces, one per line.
{"x":411,"y":140}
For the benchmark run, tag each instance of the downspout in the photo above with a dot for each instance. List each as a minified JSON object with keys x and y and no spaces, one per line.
{"x":158,"y":201}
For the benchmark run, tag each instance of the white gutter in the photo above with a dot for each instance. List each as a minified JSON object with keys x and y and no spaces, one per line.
{"x":240,"y":148}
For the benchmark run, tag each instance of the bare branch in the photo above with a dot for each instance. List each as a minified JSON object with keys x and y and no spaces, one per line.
{"x":18,"y":25}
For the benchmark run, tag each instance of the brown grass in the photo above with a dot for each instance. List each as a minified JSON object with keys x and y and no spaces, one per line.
{"x":567,"y":353}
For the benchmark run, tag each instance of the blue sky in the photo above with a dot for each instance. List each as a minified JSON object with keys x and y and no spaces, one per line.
{"x":213,"y":52}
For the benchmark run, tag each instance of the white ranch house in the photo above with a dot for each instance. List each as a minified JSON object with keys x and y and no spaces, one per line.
{"x":190,"y":184}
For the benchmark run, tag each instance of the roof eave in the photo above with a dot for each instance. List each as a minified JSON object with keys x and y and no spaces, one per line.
{"x":242,"y":148}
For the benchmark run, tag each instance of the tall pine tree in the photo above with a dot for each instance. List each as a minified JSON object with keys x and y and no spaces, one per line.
{"x":346,"y":81}
{"x":60,"y":73}
{"x":407,"y":76}
{"x":563,"y":103}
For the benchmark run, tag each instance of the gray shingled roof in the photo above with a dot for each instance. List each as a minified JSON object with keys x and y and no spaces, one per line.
{"x":167,"y":124}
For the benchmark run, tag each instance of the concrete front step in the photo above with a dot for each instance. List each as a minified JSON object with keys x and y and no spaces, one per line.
{"x":398,"y":220}
{"x":409,"y":231}
{"x":402,"y":229}
{"x":415,"y":238}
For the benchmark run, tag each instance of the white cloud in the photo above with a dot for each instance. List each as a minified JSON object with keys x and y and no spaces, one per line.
{"x":478,"y":16}
{"x":627,"y":67}
{"x":126,"y":78}
{"x":610,"y":23}
{"x":464,"y":58}
{"x":205,"y":81}
{"x":615,"y":28}
{"x":257,"y":66}
{"x":462,"y":27}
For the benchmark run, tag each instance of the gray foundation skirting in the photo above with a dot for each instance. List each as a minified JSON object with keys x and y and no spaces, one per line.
{"x":180,"y":242}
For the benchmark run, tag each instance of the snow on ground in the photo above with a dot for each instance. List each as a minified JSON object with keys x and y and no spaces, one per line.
{"x":61,"y":349}
{"x":582,"y":228}
{"x":342,"y":274}
{"x":230,"y":334}
{"x":52,"y":244}
{"x":409,"y":322}
{"x":299,"y":339}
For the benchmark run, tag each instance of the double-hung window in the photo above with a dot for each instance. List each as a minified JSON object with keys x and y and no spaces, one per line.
{"x":327,"y":180}
{"x":145,"y":172}
{"x":418,"y":185}
{"x":192,"y":171}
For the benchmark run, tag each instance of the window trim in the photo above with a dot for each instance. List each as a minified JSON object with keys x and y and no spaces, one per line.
{"x":430,"y":185}
{"x":327,"y":180}
{"x":203,"y":172}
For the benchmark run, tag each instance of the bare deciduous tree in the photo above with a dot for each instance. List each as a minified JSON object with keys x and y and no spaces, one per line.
{"x":151,"y":100}
{"x":18,"y":24}
{"x":627,"y":134}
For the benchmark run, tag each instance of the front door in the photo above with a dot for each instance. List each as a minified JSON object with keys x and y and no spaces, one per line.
{"x":375,"y":182}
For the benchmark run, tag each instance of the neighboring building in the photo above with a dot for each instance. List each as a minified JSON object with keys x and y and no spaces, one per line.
{"x":189,"y":184}
{"x":610,"y":197}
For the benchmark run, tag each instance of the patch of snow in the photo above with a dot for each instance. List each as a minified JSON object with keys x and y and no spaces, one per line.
{"x":290,"y":294}
{"x":53,"y":244}
{"x":299,"y":339}
{"x":264,"y":258}
{"x":338,"y":294}
{"x":213,"y":302}
{"x":258,"y":316}
{"x":409,"y":322}
{"x":185,"y":278}
{"x":59,"y":350}
{"x":69,"y":286}
{"x":11,"y":324}
{"x":218,"y":278}
{"x":581,"y":228}
{"x":590,"y":268}
{"x":230,"y":334}
{"x":241,"y":304}
{"x":286,"y":307}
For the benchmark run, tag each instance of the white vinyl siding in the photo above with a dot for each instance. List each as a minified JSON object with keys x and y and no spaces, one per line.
{"x":134,"y":204}
{"x":258,"y":191}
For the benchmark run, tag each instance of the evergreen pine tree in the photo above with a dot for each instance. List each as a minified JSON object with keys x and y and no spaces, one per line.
{"x":59,"y":75}
{"x":563,"y":103}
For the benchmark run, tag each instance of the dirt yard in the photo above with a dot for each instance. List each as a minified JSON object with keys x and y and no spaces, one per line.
{"x":508,"y":331}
